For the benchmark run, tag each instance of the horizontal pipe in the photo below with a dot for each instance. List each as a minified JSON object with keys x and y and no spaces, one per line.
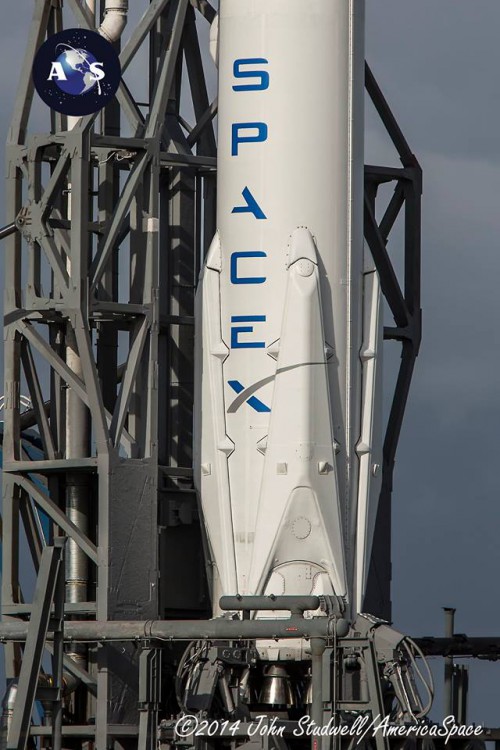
{"x":294,"y":627}
{"x":294,"y":604}
{"x":186,"y":630}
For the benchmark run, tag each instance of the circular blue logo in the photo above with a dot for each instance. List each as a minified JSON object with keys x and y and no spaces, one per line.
{"x":76,"y":72}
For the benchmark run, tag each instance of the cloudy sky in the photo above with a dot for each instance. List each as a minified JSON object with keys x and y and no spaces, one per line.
{"x":438,"y":63}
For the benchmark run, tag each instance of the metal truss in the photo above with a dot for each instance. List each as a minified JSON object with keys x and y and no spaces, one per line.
{"x":49,"y":590}
{"x":404,"y":304}
{"x":113,"y":218}
{"x":99,"y":294}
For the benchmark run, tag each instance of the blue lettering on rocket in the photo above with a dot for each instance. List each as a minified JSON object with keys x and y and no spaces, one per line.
{"x":256,"y":137}
{"x":253,"y":401}
{"x":240,"y":72}
{"x":252,"y":207}
{"x":235,"y":277}
{"x":255,"y":78}
{"x":237,"y":330}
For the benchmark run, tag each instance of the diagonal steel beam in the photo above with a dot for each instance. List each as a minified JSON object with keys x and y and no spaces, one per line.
{"x":60,"y":232}
{"x":32,"y":528}
{"x":388,"y":280}
{"x":7,"y":230}
{"x":37,"y":633}
{"x":51,"y":509}
{"x":93,"y":388}
{"x":109,"y":240}
{"x":129,"y":376}
{"x":130,"y":108}
{"x":388,"y":119}
{"x":392,"y":211}
{"x":396,"y":414}
{"x":205,"y":119}
{"x":206,"y":10}
{"x":55,"y":181}
{"x":165,"y":75}
{"x":62,"y":369}
{"x":82,"y":14}
{"x":141,"y":31}
{"x":203,"y":110}
{"x":37,"y":399}
{"x":27,"y":330}
{"x":54,"y":257}
{"x":76,"y":670}
{"x":123,"y":95}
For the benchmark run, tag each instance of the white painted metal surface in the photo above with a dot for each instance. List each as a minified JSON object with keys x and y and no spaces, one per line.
{"x":288,"y":311}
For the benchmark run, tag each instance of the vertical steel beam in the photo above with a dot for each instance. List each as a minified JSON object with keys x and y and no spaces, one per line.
{"x":58,"y":653}
{"x":373,"y":683}
{"x":149,"y":697}
{"x":10,"y":564}
{"x":12,"y":347}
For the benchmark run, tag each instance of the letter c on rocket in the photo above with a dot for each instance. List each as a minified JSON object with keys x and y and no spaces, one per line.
{"x":235,"y":277}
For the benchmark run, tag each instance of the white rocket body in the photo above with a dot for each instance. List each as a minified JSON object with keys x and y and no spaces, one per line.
{"x":287,"y":413}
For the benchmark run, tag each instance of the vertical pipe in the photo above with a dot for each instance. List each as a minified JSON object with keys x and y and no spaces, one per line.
{"x":8,"y":704}
{"x":77,"y":438}
{"x":76,"y":446}
{"x":449,"y":624}
{"x":318,"y":646}
{"x":115,"y":18}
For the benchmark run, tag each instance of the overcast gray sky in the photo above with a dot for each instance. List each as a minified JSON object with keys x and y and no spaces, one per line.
{"x":438,"y":63}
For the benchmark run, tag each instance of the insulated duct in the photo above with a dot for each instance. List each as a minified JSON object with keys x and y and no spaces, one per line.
{"x":115,"y":19}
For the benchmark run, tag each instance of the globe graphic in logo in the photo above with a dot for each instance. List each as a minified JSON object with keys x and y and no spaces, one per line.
{"x":79,"y":76}
{"x":76,"y":72}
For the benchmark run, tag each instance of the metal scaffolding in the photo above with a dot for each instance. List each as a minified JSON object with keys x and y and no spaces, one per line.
{"x":99,"y":329}
{"x":113,"y":219}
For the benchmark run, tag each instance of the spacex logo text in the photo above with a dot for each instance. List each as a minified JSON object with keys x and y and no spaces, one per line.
{"x":251,"y":75}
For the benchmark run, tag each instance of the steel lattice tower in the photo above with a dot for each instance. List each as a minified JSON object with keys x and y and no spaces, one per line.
{"x":111,"y":221}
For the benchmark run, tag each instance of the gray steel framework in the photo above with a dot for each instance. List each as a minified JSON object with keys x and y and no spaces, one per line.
{"x":404,"y":304}
{"x":49,"y":590}
{"x":115,"y":284}
{"x":111,"y":287}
